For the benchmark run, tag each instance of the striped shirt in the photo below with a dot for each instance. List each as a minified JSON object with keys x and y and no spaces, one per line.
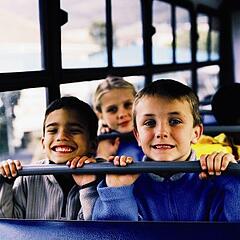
{"x":41,"y":197}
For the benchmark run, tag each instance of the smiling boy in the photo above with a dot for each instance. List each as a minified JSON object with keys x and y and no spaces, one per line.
{"x":69,"y":137}
{"x":166,"y":123}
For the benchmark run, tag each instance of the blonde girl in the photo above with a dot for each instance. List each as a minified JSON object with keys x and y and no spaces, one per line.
{"x":113,"y":100}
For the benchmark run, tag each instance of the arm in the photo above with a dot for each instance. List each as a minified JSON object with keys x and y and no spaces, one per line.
{"x":115,"y":203}
{"x":107,"y":148}
{"x":12,"y":199}
{"x":226,"y":205}
{"x":8,"y":171}
{"x":6,"y":199}
{"x":88,"y":197}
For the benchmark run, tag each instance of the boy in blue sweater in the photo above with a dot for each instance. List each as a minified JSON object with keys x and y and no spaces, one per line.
{"x":166,"y":122}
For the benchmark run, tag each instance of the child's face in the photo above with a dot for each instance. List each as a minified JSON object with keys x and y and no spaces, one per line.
{"x":165,"y":128}
{"x":65,"y":136}
{"x":116,"y":106}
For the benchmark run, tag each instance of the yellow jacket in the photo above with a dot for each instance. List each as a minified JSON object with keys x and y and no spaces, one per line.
{"x":207,"y":144}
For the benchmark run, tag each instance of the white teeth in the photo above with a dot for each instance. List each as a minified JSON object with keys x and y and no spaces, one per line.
{"x":162,"y":146}
{"x":63,"y":149}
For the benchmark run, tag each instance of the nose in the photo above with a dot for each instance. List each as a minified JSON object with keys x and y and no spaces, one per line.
{"x":162,"y":131}
{"x":122,"y":113}
{"x":62,"y":135}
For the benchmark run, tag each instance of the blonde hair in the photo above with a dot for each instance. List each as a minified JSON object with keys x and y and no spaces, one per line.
{"x":108,"y":84}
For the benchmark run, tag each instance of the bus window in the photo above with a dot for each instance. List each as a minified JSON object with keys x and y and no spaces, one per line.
{"x":183,"y":53}
{"x":21,"y":114}
{"x":203,"y":28}
{"x":162,"y":39}
{"x":208,"y":81}
{"x":127,"y":33}
{"x":84,"y":36}
{"x":18,"y":51}
{"x":85,"y":90}
{"x":181,"y":76}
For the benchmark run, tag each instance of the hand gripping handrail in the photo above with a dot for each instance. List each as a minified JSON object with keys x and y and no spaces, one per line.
{"x":107,"y":167}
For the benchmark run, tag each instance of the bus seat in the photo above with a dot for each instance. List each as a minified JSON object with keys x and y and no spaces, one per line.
{"x":112,"y":230}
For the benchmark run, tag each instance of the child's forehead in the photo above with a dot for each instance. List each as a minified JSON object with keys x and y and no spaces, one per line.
{"x":69,"y":114}
{"x":162,"y":104}
{"x":117,"y":96}
{"x":122,"y":91}
{"x":163,"y":99}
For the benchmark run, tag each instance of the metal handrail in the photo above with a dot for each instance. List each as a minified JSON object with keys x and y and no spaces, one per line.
{"x":222,"y":128}
{"x":107,"y":167}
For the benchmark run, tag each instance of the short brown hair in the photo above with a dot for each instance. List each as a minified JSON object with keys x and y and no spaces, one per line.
{"x":172,"y":90}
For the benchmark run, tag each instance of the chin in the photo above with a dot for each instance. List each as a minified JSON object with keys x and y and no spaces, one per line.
{"x":161,"y":158}
{"x":60,"y":161}
{"x":125,"y":130}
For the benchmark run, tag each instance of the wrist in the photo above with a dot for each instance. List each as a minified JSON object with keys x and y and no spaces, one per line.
{"x":90,"y":184}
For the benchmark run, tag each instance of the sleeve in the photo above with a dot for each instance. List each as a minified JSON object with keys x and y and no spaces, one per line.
{"x":6,"y":199}
{"x":88,"y":197}
{"x":115,"y":203}
{"x":226,"y":206}
{"x":19,"y":198}
{"x":12,"y":199}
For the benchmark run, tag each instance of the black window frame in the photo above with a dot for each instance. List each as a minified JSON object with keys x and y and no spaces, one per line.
{"x":52,"y":17}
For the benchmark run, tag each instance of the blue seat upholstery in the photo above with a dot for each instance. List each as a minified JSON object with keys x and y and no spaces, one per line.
{"x":103,"y":230}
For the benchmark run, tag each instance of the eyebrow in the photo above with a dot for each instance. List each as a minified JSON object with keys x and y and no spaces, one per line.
{"x":54,"y":124}
{"x":170,"y":113}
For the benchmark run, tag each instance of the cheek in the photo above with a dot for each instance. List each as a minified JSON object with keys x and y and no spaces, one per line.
{"x":110,"y":120}
{"x":145,"y":136}
{"x":185,"y":136}
{"x":83,"y":144}
{"x":130,"y":112}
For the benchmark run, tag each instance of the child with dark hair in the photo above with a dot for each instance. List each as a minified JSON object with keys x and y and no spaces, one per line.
{"x":69,"y":137}
{"x":166,"y":123}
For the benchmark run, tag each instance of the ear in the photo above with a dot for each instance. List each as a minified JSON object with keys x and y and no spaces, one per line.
{"x":136,"y":135}
{"x":197,"y":133}
{"x":42,"y":141}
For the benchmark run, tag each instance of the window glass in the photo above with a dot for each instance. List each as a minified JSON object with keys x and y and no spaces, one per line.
{"x":208,"y":81}
{"x":21,"y":123}
{"x":215,"y":39}
{"x":84,"y":35}
{"x":20,"y":36}
{"x":183,"y":34}
{"x":181,"y":76}
{"x":127,"y":33}
{"x":203,"y":30}
{"x":82,"y":90}
{"x":162,"y":39}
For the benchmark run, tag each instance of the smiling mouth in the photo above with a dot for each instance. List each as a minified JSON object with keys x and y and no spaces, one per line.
{"x":162,"y":146}
{"x":124,"y":124}
{"x":63,"y":149}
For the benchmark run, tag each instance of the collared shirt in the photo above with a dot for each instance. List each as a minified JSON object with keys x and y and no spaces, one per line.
{"x":172,"y":177}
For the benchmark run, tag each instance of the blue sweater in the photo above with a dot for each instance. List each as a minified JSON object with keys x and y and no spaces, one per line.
{"x":184,"y":199}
